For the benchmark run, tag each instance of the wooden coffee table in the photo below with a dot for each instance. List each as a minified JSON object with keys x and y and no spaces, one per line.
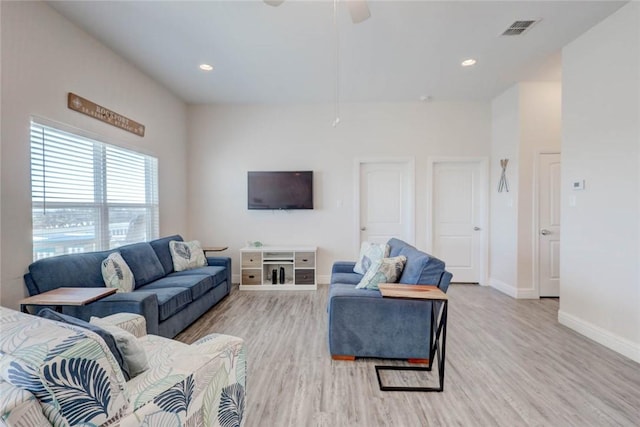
{"x":66,"y":296}
{"x":437,"y":335}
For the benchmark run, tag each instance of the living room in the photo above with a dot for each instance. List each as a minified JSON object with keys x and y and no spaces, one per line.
{"x":204,"y":152}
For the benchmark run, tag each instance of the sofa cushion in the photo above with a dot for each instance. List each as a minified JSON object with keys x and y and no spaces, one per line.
{"x":369,"y":254}
{"x":143,"y":262}
{"x":116,"y":273}
{"x":386,"y":270}
{"x":170,"y":299}
{"x":420,"y":268}
{"x":198,"y":284}
{"x":70,"y":271}
{"x":219,"y":274}
{"x":187,"y":255}
{"x":106,"y":336}
{"x":161,"y":247}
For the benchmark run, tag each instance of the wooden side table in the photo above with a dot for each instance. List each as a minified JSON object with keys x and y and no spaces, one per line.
{"x":66,"y":296}
{"x":437,"y":335}
{"x":214,"y":249}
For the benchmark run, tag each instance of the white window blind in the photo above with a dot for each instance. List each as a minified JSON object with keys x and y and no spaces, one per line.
{"x":87,"y":195}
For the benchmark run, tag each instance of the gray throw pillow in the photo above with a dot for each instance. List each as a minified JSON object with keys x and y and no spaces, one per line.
{"x":132,"y":350}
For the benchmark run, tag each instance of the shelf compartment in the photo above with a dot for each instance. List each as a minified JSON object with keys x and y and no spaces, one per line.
{"x":305,"y":259}
{"x":305,"y":276}
{"x":251,"y":259}
{"x":252,"y":277}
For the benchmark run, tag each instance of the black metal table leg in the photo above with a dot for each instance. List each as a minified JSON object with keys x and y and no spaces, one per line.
{"x":437,"y":333}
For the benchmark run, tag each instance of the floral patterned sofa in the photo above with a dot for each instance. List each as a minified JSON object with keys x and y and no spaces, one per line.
{"x":53,"y":373}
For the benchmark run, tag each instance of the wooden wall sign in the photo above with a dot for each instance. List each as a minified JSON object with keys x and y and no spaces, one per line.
{"x":96,"y":111}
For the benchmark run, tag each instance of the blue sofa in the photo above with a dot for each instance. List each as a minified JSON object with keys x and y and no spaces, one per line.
{"x":169,"y":301}
{"x":364,"y":324}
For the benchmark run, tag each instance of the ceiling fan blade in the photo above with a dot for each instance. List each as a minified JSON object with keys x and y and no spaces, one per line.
{"x":274,"y":3}
{"x":359,"y":10}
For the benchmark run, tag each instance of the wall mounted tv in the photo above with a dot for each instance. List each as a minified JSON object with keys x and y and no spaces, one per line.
{"x":280,"y":190}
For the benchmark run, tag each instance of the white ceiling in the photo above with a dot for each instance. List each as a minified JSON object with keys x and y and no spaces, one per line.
{"x":287,"y":54}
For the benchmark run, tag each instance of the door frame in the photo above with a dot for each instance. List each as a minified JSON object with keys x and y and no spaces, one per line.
{"x":483,"y":163}
{"x":410,"y":164}
{"x":535,"y":223}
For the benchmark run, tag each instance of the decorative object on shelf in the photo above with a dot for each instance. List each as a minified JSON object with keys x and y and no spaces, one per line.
{"x":274,"y":276}
{"x":256,"y":244}
{"x":503,"y":184}
{"x":282,"y":275}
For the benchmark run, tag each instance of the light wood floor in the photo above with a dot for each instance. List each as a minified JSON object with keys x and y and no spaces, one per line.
{"x":509,"y":363}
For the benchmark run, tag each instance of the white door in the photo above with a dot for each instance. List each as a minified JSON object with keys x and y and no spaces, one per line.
{"x":458,"y":206}
{"x":386,"y":201}
{"x":549,"y":225}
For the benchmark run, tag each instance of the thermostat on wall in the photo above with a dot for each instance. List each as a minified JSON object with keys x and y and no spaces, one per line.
{"x":578,"y":185}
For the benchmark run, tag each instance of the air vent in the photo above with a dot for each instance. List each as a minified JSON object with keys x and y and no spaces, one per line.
{"x":518,"y":28}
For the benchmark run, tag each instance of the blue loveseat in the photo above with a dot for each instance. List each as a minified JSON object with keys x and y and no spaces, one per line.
{"x":364,"y":324}
{"x":169,"y":301}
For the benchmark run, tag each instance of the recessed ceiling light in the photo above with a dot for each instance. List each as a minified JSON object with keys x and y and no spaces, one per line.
{"x":468,"y":62}
{"x":206,"y":67}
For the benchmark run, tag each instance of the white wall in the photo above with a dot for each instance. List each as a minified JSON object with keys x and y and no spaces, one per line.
{"x":505,"y":144}
{"x":227,"y":141}
{"x":540,"y":131}
{"x":526,"y":120}
{"x":44,"y":56}
{"x":600,"y":250}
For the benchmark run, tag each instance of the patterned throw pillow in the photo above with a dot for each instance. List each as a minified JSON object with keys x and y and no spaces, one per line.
{"x":117,"y":274}
{"x":187,"y":255}
{"x":370,"y":253}
{"x":386,"y":270}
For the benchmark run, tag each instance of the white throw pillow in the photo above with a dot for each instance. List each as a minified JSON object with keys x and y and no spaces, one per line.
{"x":386,"y":270}
{"x":187,"y":255}
{"x":131,"y":349}
{"x":117,"y":274}
{"x":370,"y":253}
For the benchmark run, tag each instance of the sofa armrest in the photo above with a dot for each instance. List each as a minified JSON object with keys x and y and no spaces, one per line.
{"x":445,"y":280}
{"x":138,"y":302}
{"x":212,"y":370}
{"x":18,"y":405}
{"x":130,"y":322}
{"x":343,"y":267}
{"x":221,"y":261}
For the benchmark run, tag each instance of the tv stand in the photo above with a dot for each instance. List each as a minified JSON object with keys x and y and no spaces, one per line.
{"x":297,"y":262}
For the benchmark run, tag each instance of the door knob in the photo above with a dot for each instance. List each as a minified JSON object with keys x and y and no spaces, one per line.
{"x":476,"y":229}
{"x":544,"y":232}
{"x":363,"y":228}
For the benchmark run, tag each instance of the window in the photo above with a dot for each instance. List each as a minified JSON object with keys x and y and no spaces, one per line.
{"x":87,"y":195}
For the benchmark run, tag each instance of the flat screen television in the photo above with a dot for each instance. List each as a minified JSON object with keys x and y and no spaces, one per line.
{"x":280,"y":190}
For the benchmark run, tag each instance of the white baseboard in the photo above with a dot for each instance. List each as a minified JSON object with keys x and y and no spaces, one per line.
{"x":324,"y":279}
{"x":528,"y":293}
{"x":512,"y":291}
{"x":616,"y":343}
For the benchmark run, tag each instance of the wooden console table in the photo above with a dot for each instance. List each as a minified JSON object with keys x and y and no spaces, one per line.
{"x":66,"y":296}
{"x":437,"y":335}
